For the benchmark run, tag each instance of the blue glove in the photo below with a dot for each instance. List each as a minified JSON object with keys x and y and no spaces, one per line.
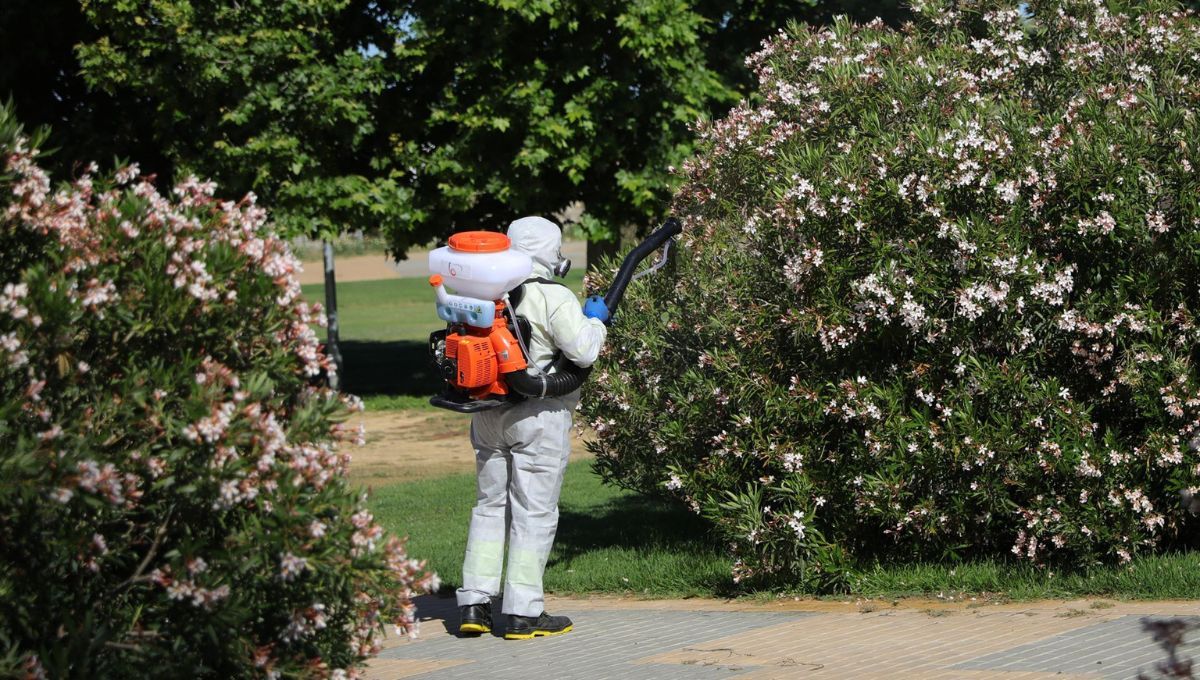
{"x":594,"y":308}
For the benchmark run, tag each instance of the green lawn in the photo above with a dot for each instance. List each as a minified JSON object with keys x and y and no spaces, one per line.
{"x":384,"y":328}
{"x":387,"y":309}
{"x":611,"y":541}
{"x":1167,"y":577}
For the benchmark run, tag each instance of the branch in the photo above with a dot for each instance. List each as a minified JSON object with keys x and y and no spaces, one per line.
{"x":158,"y":536}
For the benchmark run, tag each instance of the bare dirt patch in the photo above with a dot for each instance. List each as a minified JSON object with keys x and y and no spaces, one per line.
{"x":408,"y":445}
{"x":404,"y":446}
{"x":353,"y":268}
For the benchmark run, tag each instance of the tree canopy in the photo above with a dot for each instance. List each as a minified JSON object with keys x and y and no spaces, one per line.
{"x":515,"y":109}
{"x":277,"y":98}
{"x":413,"y":117}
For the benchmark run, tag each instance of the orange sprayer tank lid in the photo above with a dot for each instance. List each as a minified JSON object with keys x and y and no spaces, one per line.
{"x":479,"y":242}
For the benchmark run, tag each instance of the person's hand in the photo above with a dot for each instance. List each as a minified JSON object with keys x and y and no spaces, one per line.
{"x":594,"y":308}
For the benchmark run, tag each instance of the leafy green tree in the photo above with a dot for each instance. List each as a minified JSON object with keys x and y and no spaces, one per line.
{"x":411,"y":116}
{"x":520,"y":107}
{"x":39,"y":72}
{"x":512,"y":108}
{"x":276,"y":98}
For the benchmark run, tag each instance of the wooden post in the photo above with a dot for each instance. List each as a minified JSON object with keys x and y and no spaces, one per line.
{"x":331,"y":342}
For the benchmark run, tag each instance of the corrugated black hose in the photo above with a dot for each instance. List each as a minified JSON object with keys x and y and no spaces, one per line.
{"x":567,"y":376}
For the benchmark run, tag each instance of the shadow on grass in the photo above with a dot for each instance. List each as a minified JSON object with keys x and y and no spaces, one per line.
{"x":632,"y":522}
{"x":392,"y":368}
{"x":636,"y":523}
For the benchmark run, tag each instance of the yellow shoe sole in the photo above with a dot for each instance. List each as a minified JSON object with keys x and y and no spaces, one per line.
{"x":474,"y":628}
{"x":537,"y":634}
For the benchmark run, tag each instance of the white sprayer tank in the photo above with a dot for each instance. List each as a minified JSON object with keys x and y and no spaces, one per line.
{"x":480,"y":264}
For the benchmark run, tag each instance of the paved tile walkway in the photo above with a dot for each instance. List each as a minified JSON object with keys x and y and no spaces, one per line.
{"x":704,"y":640}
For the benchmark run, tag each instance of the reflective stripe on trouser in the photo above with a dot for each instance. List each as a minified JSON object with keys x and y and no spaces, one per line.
{"x":520,"y":457}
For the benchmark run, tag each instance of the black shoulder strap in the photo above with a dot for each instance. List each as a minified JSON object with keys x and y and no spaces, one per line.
{"x":517,"y":294}
{"x":538,"y":279}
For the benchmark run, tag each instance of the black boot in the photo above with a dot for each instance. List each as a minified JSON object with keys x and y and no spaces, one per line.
{"x":475,"y":619}
{"x":527,"y":627}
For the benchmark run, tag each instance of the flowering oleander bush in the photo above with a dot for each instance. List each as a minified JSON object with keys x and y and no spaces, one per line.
{"x":172,"y":492}
{"x":937,"y":297}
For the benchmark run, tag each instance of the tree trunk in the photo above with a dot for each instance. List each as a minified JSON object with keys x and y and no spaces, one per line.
{"x":597,"y":250}
{"x":331,"y":341}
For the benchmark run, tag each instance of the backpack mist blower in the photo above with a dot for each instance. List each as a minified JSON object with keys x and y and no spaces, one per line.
{"x":482,"y":354}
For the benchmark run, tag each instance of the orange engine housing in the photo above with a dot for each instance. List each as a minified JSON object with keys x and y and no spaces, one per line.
{"x":483,"y":356}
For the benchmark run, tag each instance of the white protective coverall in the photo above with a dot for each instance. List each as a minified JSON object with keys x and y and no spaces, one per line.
{"x":521,"y":449}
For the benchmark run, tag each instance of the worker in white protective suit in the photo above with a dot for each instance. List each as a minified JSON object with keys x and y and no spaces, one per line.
{"x":521,"y":454}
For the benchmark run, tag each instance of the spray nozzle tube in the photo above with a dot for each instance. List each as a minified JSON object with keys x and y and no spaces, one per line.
{"x":659,"y":239}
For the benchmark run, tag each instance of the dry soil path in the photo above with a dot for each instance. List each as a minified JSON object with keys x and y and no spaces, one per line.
{"x":418,"y":444}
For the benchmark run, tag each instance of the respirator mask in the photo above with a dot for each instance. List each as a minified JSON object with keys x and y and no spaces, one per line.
{"x":561,"y":266}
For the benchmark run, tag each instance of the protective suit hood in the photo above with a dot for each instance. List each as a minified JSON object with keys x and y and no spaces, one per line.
{"x":538,"y":238}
